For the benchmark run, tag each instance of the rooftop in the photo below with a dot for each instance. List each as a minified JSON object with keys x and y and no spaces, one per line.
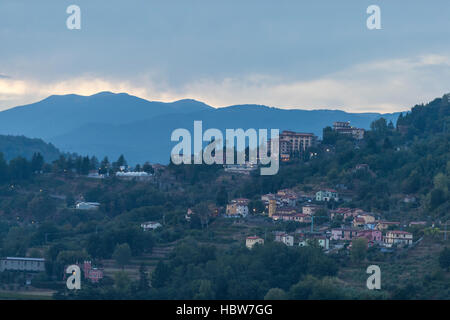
{"x":25,"y":259}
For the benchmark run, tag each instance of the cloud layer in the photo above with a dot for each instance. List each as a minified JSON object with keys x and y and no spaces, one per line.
{"x":375,"y":86}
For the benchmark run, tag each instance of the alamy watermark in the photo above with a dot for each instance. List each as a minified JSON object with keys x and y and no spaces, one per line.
{"x":73,"y":22}
{"x":374,"y":20}
{"x":374,"y":280}
{"x":258,"y":147}
{"x":74,"y":280}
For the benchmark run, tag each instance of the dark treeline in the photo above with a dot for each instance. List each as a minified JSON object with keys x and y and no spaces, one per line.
{"x":19,"y":168}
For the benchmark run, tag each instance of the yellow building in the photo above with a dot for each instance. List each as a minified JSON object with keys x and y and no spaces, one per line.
{"x":272,"y":207}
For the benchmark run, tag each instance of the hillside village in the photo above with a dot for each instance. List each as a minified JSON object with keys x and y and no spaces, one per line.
{"x":145,"y":225}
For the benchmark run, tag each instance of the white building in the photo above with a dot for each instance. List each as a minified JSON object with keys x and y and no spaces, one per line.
{"x":284,"y":238}
{"x":345,"y":128}
{"x":401,"y":238}
{"x":22,"y":264}
{"x":327,"y":195}
{"x":87,"y":205}
{"x":251,"y":241}
{"x":150,"y":225}
{"x":138,"y":175}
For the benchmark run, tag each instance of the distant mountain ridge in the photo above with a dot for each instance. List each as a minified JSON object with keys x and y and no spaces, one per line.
{"x":111,"y":124}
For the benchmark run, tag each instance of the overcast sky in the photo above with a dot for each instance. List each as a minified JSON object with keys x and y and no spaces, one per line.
{"x":283,"y":53}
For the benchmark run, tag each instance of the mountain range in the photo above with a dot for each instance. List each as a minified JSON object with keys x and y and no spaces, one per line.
{"x":110,"y":124}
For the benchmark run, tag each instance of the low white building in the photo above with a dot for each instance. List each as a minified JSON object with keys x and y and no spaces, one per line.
{"x":132,"y":174}
{"x":87,"y":205}
{"x":150,"y":225}
{"x":251,"y":241}
{"x":246,"y":168}
{"x":22,"y":264}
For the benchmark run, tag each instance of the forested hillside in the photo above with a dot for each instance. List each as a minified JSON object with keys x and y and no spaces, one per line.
{"x":20,"y":146}
{"x":204,"y":257}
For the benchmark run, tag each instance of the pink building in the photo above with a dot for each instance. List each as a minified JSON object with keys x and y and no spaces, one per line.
{"x":371,"y":235}
{"x":93,"y":274}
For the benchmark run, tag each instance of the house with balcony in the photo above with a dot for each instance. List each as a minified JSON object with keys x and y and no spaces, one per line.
{"x":398,"y":238}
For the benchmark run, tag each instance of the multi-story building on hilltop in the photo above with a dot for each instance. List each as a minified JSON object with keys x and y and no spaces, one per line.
{"x":345,"y":128}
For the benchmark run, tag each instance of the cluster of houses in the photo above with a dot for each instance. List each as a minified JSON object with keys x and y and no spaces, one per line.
{"x":284,"y":205}
{"x":290,"y":205}
{"x":338,"y":237}
{"x":287,"y":205}
{"x":366,"y":225}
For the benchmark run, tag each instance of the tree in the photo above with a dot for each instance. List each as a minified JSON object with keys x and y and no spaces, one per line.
{"x":359,"y":249}
{"x":311,"y":288}
{"x":147,"y":167}
{"x":104,"y":166}
{"x":143,"y":279}
{"x":122,"y":254}
{"x":3,"y":169}
{"x":37,"y":162}
{"x":444,"y":259}
{"x":379,"y":126}
{"x":222,"y":196}
{"x":122,"y":283}
{"x":19,"y":168}
{"x":85,"y":165}
{"x":437,"y":197}
{"x":119,"y":163}
{"x":160,"y":275}
{"x":203,"y":212}
{"x":204,"y":291}
{"x":276,"y":294}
